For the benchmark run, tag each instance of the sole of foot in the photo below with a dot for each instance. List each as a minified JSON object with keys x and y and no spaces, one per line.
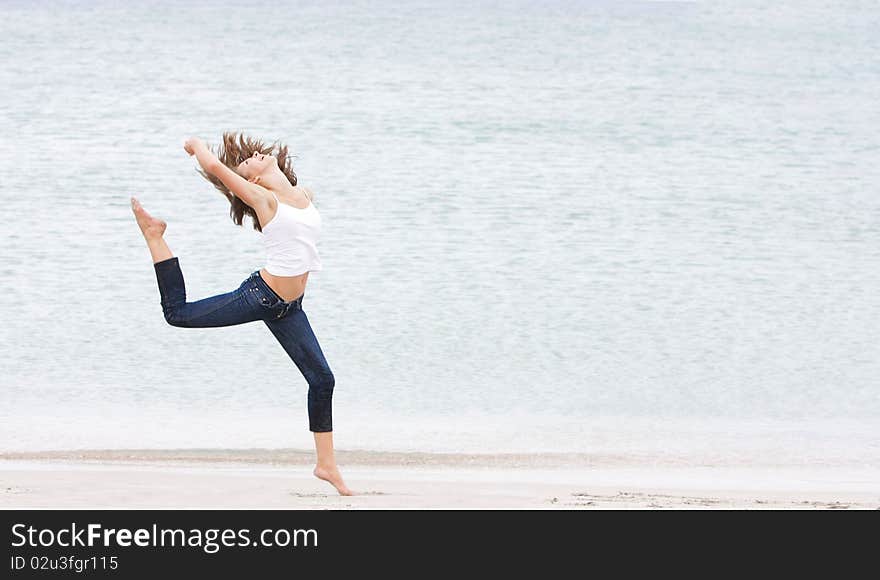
{"x":151,"y":227}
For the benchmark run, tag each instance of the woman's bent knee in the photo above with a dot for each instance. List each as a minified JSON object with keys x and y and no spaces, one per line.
{"x":174,"y":317}
{"x":322,"y":387}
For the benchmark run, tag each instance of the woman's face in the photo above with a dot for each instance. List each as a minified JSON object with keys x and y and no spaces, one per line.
{"x":257,"y":164}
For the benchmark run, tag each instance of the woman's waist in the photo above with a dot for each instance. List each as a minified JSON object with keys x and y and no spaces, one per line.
{"x":286,"y":287}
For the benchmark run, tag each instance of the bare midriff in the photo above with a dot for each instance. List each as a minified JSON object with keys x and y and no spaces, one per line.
{"x":287,"y":287}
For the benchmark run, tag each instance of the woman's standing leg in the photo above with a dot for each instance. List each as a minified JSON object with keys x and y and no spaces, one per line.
{"x":295,"y":335}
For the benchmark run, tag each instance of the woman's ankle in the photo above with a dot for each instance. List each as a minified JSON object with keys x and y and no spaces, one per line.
{"x":159,"y":250}
{"x":329,"y":465}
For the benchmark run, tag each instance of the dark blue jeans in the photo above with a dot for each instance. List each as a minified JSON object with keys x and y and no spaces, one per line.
{"x":254,"y":300}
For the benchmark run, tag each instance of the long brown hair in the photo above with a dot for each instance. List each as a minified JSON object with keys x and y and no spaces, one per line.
{"x":235,"y":148}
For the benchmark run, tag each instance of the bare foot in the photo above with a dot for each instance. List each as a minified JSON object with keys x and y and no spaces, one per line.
{"x":333,"y":477}
{"x":151,"y":227}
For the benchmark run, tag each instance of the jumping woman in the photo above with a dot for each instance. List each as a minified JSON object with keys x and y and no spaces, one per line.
{"x":259,"y":181}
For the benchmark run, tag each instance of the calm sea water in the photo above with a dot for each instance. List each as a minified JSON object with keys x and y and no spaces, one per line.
{"x":637,"y":227}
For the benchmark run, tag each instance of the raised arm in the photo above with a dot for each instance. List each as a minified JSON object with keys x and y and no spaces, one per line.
{"x":252,"y":194}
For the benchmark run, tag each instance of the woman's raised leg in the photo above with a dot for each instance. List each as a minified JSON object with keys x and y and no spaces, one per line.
{"x":226,"y":309}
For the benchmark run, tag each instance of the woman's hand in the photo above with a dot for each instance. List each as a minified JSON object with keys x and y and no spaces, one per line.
{"x":192,"y":145}
{"x":206,"y":158}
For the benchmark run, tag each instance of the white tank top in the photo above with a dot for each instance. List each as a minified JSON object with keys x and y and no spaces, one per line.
{"x":291,"y":239}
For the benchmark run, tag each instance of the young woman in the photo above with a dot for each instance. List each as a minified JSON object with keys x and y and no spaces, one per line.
{"x":262,"y":185}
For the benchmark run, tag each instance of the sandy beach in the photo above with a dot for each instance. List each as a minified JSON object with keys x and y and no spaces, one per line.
{"x":282,"y":479}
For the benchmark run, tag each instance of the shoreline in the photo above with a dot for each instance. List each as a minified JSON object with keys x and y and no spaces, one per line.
{"x":282,"y":479}
{"x":292,"y":456}
{"x":523,"y":460}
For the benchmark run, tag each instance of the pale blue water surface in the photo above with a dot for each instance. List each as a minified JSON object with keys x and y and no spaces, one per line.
{"x":602,"y":227}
